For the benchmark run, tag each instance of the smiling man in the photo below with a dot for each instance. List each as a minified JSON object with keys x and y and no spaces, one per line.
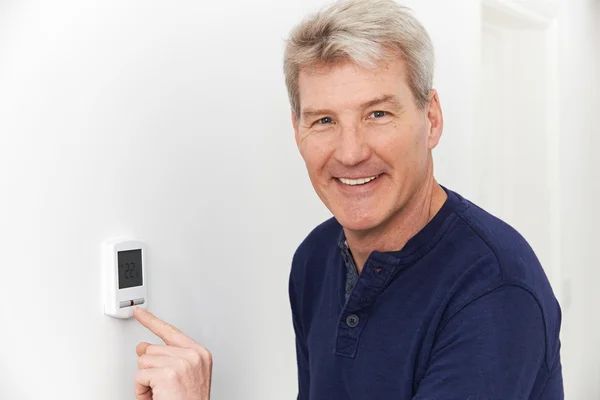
{"x":410,"y":291}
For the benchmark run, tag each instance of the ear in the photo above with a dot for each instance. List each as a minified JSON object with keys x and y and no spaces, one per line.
{"x":436,"y":120}
{"x":295,"y":124}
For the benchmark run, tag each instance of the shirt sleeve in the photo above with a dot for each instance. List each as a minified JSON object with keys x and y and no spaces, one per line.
{"x":491,"y":349}
{"x":301,"y":349}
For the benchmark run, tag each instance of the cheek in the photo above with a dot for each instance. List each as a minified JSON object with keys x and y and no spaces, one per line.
{"x":403,"y":147}
{"x":397,"y":143}
{"x":314,"y":154}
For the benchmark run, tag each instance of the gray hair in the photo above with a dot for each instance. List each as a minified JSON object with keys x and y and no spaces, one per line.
{"x":364,"y":32}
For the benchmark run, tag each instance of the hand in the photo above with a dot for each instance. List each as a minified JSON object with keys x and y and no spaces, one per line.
{"x":179,"y":370}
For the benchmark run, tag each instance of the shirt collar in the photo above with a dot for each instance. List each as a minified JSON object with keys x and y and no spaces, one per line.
{"x":420,"y":241}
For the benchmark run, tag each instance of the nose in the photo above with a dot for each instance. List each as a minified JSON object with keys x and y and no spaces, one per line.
{"x":352,"y":147}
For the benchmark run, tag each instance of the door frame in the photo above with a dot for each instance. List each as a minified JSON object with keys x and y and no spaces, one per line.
{"x":540,"y":15}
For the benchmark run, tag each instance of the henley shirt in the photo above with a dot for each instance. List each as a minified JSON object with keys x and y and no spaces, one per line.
{"x":463,"y":311}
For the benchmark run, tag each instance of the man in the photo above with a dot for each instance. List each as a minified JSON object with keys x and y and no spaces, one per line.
{"x":410,"y":291}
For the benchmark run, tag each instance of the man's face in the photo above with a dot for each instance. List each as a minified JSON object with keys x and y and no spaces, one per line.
{"x":366,"y":144}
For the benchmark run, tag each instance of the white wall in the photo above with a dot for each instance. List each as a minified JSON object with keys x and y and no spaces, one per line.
{"x":579,"y":25}
{"x":169,"y":122}
{"x":455,"y":30}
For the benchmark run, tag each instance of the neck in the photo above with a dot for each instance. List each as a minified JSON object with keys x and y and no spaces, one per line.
{"x":393,"y":234}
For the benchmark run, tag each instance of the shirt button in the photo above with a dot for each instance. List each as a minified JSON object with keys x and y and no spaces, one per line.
{"x":352,"y":320}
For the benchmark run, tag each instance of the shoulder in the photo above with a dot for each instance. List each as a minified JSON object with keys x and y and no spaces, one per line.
{"x":511,"y":253}
{"x":479,"y":252}
{"x":500,"y":260}
{"x":321,"y":239}
{"x":314,"y":251}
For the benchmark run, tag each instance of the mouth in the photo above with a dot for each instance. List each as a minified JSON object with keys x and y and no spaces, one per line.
{"x":359,"y":181}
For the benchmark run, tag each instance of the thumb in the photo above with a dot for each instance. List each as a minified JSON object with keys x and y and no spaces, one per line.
{"x":141,"y":348}
{"x":142,"y":392}
{"x":143,"y":384}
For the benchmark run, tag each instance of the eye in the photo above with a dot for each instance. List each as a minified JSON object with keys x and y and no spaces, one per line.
{"x":324,"y":121}
{"x":378,"y":114}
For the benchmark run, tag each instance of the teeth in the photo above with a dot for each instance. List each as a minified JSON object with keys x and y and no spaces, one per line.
{"x":354,"y":182}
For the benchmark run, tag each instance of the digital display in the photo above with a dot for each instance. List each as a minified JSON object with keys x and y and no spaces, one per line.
{"x":130,"y":268}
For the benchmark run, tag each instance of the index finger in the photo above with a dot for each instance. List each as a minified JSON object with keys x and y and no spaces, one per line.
{"x":167,"y":332}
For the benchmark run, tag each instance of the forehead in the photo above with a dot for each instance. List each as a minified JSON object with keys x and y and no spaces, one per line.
{"x":345,"y":84}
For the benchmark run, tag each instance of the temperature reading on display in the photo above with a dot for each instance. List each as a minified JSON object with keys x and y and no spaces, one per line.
{"x":130,"y":271}
{"x":130,"y":268}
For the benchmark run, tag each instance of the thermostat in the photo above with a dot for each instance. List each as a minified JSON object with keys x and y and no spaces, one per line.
{"x":124,"y":269}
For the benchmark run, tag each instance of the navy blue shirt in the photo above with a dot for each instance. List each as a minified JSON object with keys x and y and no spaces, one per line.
{"x":463,"y":311}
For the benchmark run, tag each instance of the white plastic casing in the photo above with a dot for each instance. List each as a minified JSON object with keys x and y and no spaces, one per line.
{"x":113,"y":296}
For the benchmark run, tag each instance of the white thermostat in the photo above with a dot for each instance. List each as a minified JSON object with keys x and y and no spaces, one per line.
{"x":124,"y":270}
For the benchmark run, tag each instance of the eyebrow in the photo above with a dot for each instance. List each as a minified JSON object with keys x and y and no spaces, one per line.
{"x":388,"y":98}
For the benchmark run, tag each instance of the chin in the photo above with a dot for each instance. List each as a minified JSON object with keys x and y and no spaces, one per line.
{"x":357,"y":222}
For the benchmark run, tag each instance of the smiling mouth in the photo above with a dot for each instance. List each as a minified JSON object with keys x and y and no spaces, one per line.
{"x":357,"y":182}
